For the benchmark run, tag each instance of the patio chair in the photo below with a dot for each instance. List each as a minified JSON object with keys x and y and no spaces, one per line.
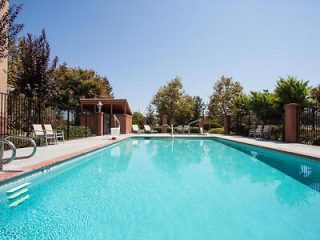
{"x":180,"y":129}
{"x":41,"y":135}
{"x":255,"y":132}
{"x":266,"y":131}
{"x":135,"y":129}
{"x":147,"y":128}
{"x":186,"y":129}
{"x":58,"y":133}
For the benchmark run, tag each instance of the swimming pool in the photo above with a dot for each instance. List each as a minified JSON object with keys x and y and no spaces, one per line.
{"x":169,"y":189}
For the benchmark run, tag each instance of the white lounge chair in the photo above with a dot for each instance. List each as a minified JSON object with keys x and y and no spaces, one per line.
{"x":256,"y":132}
{"x":180,"y":129}
{"x":58,"y":133}
{"x":135,"y":128}
{"x":147,"y":128}
{"x":40,"y":134}
{"x":266,"y":131}
{"x":186,"y":129}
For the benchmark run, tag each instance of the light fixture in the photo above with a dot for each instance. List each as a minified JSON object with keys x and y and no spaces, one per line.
{"x":99,"y":105}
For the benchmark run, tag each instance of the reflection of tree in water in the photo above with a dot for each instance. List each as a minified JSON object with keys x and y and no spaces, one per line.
{"x":293,"y":197}
{"x":171,"y":156}
{"x":230,"y":165}
{"x":232,"y":161}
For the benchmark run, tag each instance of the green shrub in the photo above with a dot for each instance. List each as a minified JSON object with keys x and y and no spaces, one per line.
{"x":77,"y":132}
{"x":194,"y":130}
{"x":216,"y":131}
{"x":276,"y":132}
{"x":211,"y":124}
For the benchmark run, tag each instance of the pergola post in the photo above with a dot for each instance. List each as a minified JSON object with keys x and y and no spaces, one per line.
{"x":99,"y":123}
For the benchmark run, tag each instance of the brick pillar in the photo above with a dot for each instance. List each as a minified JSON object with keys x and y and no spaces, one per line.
{"x":226,"y":123}
{"x":291,"y":122}
{"x":164,"y":128}
{"x":100,"y":123}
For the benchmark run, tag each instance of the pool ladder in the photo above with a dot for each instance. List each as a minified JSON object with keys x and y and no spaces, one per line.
{"x":171,"y":128}
{"x":14,"y":149}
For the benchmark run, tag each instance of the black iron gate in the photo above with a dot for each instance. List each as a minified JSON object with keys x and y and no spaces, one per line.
{"x":106,"y":123}
{"x":310,"y":125}
{"x":17,"y":114}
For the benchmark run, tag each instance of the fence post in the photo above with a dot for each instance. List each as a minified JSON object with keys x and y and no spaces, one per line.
{"x":226,"y":123}
{"x":164,"y":128}
{"x":68,"y":123}
{"x":291,"y":122}
{"x":86,"y":123}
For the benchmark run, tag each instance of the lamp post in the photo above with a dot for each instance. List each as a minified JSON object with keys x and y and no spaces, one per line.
{"x":99,"y":105}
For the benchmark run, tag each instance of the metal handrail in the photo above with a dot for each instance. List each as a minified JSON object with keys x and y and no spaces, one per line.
{"x":193,"y":122}
{"x":30,"y":140}
{"x":13,"y":155}
{"x":116,"y":121}
{"x":170,"y":127}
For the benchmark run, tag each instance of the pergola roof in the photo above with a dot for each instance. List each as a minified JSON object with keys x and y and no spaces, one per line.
{"x":116,"y":104}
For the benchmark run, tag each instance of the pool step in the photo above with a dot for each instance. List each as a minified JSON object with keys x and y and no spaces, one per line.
{"x":18,"y":193}
{"x":12,"y":190}
{"x":19,"y":201}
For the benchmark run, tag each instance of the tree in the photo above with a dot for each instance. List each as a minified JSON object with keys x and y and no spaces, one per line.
{"x":150,"y":115}
{"x":8,"y":28}
{"x":185,"y":110}
{"x":199,"y":107}
{"x":265,"y":106}
{"x":73,"y":83}
{"x":172,"y":101}
{"x":242,"y":105}
{"x":292,"y":90}
{"x":138,"y":118}
{"x":34,"y":78}
{"x":225,"y":91}
{"x":315,"y":94}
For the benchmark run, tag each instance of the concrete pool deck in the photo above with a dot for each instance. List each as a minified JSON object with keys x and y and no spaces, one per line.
{"x":53,"y":154}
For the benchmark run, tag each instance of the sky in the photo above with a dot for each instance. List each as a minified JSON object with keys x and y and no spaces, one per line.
{"x":140,"y":45}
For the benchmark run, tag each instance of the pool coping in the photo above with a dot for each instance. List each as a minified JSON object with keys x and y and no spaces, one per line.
{"x":259,"y":143}
{"x":30,"y":170}
{"x":243,"y":140}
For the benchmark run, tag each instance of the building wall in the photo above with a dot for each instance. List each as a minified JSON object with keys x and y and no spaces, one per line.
{"x":125,"y":123}
{"x":91,"y":122}
{"x":3,"y":66}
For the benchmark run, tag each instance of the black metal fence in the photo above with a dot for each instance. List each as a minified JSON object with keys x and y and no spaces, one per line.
{"x":310,"y":125}
{"x":241,"y":124}
{"x":17,"y":114}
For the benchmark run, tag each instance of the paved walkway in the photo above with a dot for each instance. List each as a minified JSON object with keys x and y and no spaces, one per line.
{"x":48,"y":155}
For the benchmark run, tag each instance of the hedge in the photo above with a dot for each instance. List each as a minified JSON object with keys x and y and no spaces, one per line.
{"x":216,"y":131}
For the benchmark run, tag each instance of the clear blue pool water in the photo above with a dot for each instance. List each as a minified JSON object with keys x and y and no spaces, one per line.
{"x":164,"y":189}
